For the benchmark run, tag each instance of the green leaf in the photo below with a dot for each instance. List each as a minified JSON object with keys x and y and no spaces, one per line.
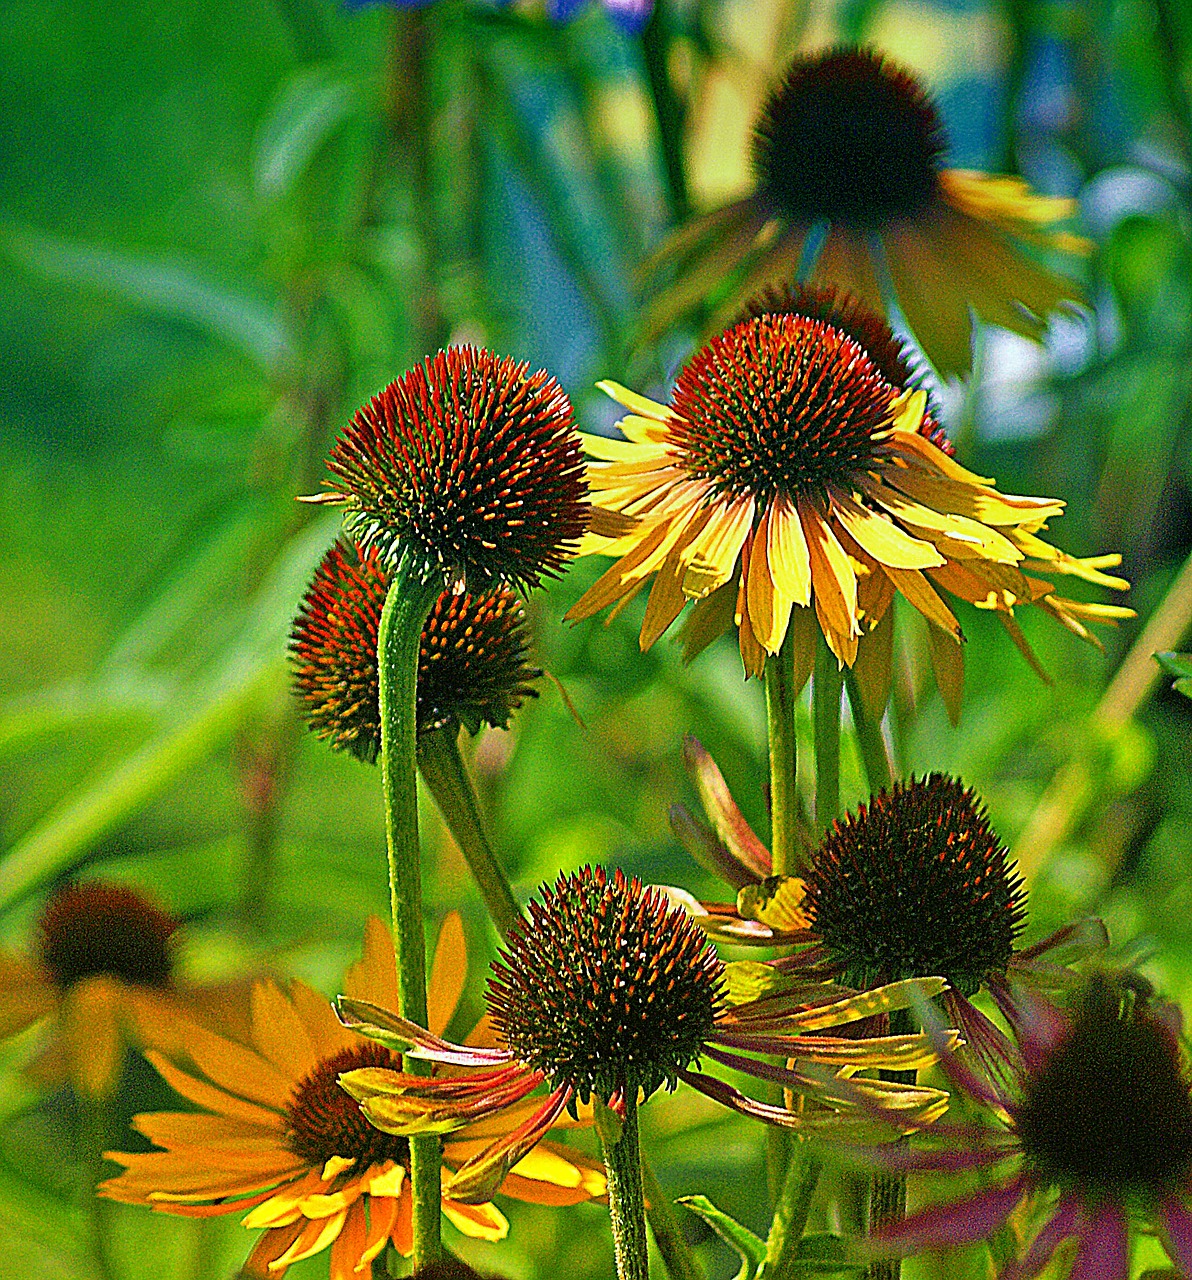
{"x":172,"y":288}
{"x":748,"y":1247}
{"x":309,"y":109}
{"x":1178,"y":665}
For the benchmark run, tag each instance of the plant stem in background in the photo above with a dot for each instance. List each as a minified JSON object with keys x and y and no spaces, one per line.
{"x":790,"y":1217}
{"x":94,"y":1118}
{"x":668,"y":110}
{"x":826,"y":691}
{"x":407,"y":607}
{"x":1071,"y":790}
{"x":446,"y":775}
{"x":680,"y":1262}
{"x":874,"y":755}
{"x":780,"y":722}
{"x":626,"y":1200}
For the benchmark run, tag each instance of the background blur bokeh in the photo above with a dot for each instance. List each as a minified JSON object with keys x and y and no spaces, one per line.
{"x":223,"y":226}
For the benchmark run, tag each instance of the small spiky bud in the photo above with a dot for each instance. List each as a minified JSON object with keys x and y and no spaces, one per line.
{"x":604,"y":986}
{"x":916,"y":884}
{"x":471,"y":661}
{"x":779,"y":404}
{"x":849,"y":137}
{"x":1109,"y":1109}
{"x":471,"y":465}
{"x":91,"y":929}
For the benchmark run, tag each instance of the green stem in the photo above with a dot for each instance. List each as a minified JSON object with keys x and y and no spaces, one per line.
{"x":790,"y":1217}
{"x":445,"y":773}
{"x":626,"y":1200}
{"x":668,"y":111}
{"x":680,"y":1262}
{"x":887,"y":1192}
{"x":94,"y":1126}
{"x":780,"y":721}
{"x":869,"y":738}
{"x":826,"y":690}
{"x":406,"y":609}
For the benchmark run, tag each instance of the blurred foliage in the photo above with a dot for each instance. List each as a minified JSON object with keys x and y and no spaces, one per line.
{"x":223,"y":226}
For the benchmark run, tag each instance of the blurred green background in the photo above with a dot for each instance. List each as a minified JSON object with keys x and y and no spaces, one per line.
{"x":223,"y":226}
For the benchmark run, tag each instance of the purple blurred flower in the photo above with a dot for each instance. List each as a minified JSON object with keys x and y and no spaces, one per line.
{"x":1101,"y":1114}
{"x":630,"y":15}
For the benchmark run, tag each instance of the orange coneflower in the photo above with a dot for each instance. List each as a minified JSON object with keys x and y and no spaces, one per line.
{"x":103,"y":966}
{"x":278,"y":1140}
{"x":850,"y":142}
{"x":790,"y":483}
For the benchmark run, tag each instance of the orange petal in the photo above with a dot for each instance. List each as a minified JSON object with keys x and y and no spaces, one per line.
{"x":834,"y":584}
{"x":90,"y":1030}
{"x":207,"y":1095}
{"x":448,"y":973}
{"x":402,"y":1233}
{"x":348,"y":1249}
{"x":947,"y":661}
{"x":279,"y":1034}
{"x":268,"y":1249}
{"x":768,"y":605}
{"x":374,"y":976}
{"x":382,"y":1215}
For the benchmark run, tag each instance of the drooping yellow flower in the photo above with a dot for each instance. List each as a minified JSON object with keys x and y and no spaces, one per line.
{"x":279,"y":1141}
{"x":104,"y":963}
{"x":851,"y":143}
{"x":789,"y":485}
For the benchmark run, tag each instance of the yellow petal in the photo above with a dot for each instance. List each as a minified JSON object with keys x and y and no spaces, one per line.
{"x":769,"y":607}
{"x":947,"y":661}
{"x":881,"y":537}
{"x":714,"y":552}
{"x":90,"y":1030}
{"x":448,"y":972}
{"x":374,"y":976}
{"x":278,"y":1032}
{"x":631,"y":400}
{"x":786,"y":552}
{"x":387,"y":1183}
{"x":915,"y":587}
{"x":478,"y":1221}
{"x":834,"y":583}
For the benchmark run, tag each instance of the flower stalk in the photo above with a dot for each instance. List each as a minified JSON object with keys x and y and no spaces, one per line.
{"x":407,"y":607}
{"x":887,"y":1191}
{"x":446,"y":775}
{"x":826,"y":691}
{"x":780,"y":721}
{"x":626,"y":1200}
{"x":790,"y":1217}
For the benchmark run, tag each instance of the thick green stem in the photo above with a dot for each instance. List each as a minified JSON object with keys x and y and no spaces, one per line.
{"x":780,"y":722}
{"x":828,"y":682}
{"x":790,"y":1217}
{"x":668,"y":111}
{"x":445,"y":773}
{"x":406,"y":609}
{"x":94,"y":1127}
{"x":874,"y":756}
{"x":887,"y":1193}
{"x":680,"y":1262}
{"x":626,"y":1198}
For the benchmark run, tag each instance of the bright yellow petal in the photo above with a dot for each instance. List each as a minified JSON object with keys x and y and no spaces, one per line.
{"x":915,"y":587}
{"x":769,"y":607}
{"x":881,"y":537}
{"x":448,"y":973}
{"x":834,"y":584}
{"x":478,"y":1221}
{"x":714,"y":552}
{"x":313,"y":1239}
{"x":634,"y":402}
{"x":786,"y":550}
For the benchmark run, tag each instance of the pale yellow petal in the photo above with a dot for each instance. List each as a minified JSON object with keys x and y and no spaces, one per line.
{"x":631,"y":400}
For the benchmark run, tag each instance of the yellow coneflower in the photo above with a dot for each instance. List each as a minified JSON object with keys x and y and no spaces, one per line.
{"x":789,"y":483}
{"x":278,"y":1140}
{"x":104,"y":963}
{"x":851,"y":142}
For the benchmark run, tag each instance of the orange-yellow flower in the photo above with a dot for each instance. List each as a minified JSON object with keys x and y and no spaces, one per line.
{"x":850,"y":143}
{"x":279,"y":1141}
{"x":103,"y":965}
{"x":789,"y":485}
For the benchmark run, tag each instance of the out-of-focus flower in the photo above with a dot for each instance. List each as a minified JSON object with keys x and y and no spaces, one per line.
{"x":917,"y":882}
{"x":604,"y":989}
{"x":468,"y":466}
{"x":472,"y":667}
{"x":279,"y":1140}
{"x":852,"y":143}
{"x":630,"y":15}
{"x":789,"y":485}
{"x":1098,"y":1125}
{"x":104,"y":964}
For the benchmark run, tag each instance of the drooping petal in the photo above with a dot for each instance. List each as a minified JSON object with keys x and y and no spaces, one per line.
{"x":1064,"y":1222}
{"x":728,"y":820}
{"x":1176,"y":1222}
{"x":1103,"y":1251}
{"x":975,"y":1217}
{"x":403,"y":1036}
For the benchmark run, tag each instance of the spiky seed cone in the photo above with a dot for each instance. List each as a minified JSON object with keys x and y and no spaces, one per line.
{"x":778,"y":404}
{"x":844,"y":312}
{"x":603,"y":985}
{"x":469,"y":464}
{"x":849,"y":137}
{"x":916,"y":884}
{"x":92,"y":929}
{"x":322,"y":1121}
{"x":1109,"y":1109}
{"x":471,"y":663}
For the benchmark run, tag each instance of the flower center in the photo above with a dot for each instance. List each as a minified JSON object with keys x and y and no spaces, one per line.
{"x":916,"y":885}
{"x":849,"y":137}
{"x":603,"y":986}
{"x":472,"y":465}
{"x":471,"y":664}
{"x":92,"y":929}
{"x":779,"y":404}
{"x":1109,"y":1109}
{"x":324,"y":1121}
